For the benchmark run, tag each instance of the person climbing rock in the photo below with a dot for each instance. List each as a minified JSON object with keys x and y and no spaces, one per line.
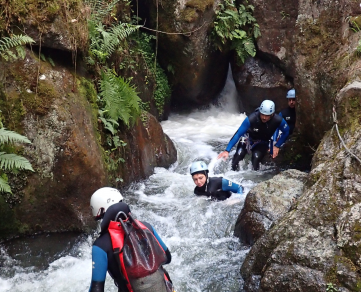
{"x":218,"y":188}
{"x":116,"y":251}
{"x":288,"y":114}
{"x":254,"y":135}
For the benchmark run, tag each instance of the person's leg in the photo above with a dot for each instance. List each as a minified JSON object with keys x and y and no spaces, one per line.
{"x":258,"y":152}
{"x":239,"y":155}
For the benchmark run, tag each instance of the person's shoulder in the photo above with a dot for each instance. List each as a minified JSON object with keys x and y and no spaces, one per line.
{"x":253,"y":116}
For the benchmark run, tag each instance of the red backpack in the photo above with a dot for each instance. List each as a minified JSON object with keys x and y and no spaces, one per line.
{"x":139,"y":255}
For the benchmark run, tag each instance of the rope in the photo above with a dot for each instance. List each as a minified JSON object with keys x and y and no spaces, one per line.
{"x":334,"y":116}
{"x":188,"y":33}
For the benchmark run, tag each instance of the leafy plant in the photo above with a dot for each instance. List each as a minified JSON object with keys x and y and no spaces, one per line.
{"x":104,"y":41}
{"x":119,"y":98}
{"x":162,"y":90}
{"x":11,"y":48}
{"x":10,"y":161}
{"x":238,"y":27}
{"x":331,"y":288}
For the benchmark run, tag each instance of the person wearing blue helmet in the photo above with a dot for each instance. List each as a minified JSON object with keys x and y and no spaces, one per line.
{"x":218,"y":188}
{"x":254,"y":135}
{"x":289,"y":113}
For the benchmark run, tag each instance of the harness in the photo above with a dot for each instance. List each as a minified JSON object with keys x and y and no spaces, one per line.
{"x":139,"y":255}
{"x":246,"y":139}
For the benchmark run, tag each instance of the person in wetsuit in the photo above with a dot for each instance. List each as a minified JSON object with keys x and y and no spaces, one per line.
{"x":105,"y":204}
{"x":288,"y":114}
{"x":254,"y":135}
{"x":218,"y":188}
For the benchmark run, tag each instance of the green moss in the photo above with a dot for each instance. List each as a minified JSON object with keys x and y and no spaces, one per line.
{"x":189,"y":15}
{"x":200,"y":5}
{"x":87,"y":89}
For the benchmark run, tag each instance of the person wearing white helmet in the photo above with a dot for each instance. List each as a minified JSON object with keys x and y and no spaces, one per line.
{"x":218,"y":188}
{"x":289,"y":113}
{"x":106,"y":204}
{"x":254,"y":135}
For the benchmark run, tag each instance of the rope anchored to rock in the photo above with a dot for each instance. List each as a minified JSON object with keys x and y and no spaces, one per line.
{"x":334,"y":116}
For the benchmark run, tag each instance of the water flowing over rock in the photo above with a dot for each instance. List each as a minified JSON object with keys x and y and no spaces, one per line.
{"x":267,"y":203}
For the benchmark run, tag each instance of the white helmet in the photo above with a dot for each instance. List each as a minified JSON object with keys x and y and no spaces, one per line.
{"x":267,"y":107}
{"x":102,"y":199}
{"x":198,"y":166}
{"x":291,"y":93}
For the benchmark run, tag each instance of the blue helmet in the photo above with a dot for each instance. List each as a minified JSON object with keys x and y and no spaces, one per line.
{"x":198,"y":166}
{"x":267,"y":107}
{"x":291,"y":93}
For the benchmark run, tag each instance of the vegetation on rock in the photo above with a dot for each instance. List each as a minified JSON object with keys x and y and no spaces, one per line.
{"x":236,"y":26}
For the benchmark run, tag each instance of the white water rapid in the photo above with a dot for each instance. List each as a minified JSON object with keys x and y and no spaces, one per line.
{"x":199,"y":233}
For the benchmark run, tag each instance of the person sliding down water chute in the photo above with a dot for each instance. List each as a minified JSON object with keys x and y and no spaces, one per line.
{"x":254,"y":135}
{"x":131,"y":251}
{"x":217,"y":188}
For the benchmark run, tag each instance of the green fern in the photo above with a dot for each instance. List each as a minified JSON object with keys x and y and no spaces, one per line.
{"x":7,"y":44}
{"x":119,"y":98}
{"x":4,"y":186}
{"x":10,"y":161}
{"x":100,"y":9}
{"x":104,"y":41}
{"x":238,"y":27}
{"x":7,"y":136}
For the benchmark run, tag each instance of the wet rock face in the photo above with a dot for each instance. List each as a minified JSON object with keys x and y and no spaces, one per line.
{"x":277,"y":21}
{"x":268,"y":202}
{"x":196,"y":70}
{"x":148,"y":147}
{"x":318,"y":242}
{"x":257,"y":80}
{"x":65,"y":154}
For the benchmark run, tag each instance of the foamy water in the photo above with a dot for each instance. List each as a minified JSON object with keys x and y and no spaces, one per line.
{"x":199,"y":232}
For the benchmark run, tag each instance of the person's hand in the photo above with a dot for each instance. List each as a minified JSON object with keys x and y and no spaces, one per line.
{"x":223,"y":155}
{"x":275,"y":151}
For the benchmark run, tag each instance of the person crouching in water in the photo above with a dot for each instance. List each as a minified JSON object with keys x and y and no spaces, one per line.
{"x":218,"y":188}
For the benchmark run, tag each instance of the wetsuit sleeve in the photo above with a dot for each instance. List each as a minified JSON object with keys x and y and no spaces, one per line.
{"x":165,"y":248}
{"x":227,"y":185}
{"x":240,"y":132}
{"x":285,"y":132}
{"x":275,"y":135}
{"x":99,"y":271}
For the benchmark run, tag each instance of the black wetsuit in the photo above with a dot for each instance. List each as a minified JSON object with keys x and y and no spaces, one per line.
{"x":289,"y":114}
{"x":213,"y":188}
{"x":259,"y":135}
{"x":103,"y":257}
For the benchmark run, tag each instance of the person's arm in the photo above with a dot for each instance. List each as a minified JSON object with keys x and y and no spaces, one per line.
{"x":227,"y":185}
{"x":165,"y":248}
{"x":285,"y":131}
{"x":240,"y":132}
{"x":275,"y":135}
{"x":99,"y":271}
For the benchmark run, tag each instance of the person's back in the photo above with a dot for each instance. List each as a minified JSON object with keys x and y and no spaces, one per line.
{"x":103,"y":256}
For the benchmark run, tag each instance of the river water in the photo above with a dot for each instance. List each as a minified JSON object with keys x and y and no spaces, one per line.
{"x":199,"y":233}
